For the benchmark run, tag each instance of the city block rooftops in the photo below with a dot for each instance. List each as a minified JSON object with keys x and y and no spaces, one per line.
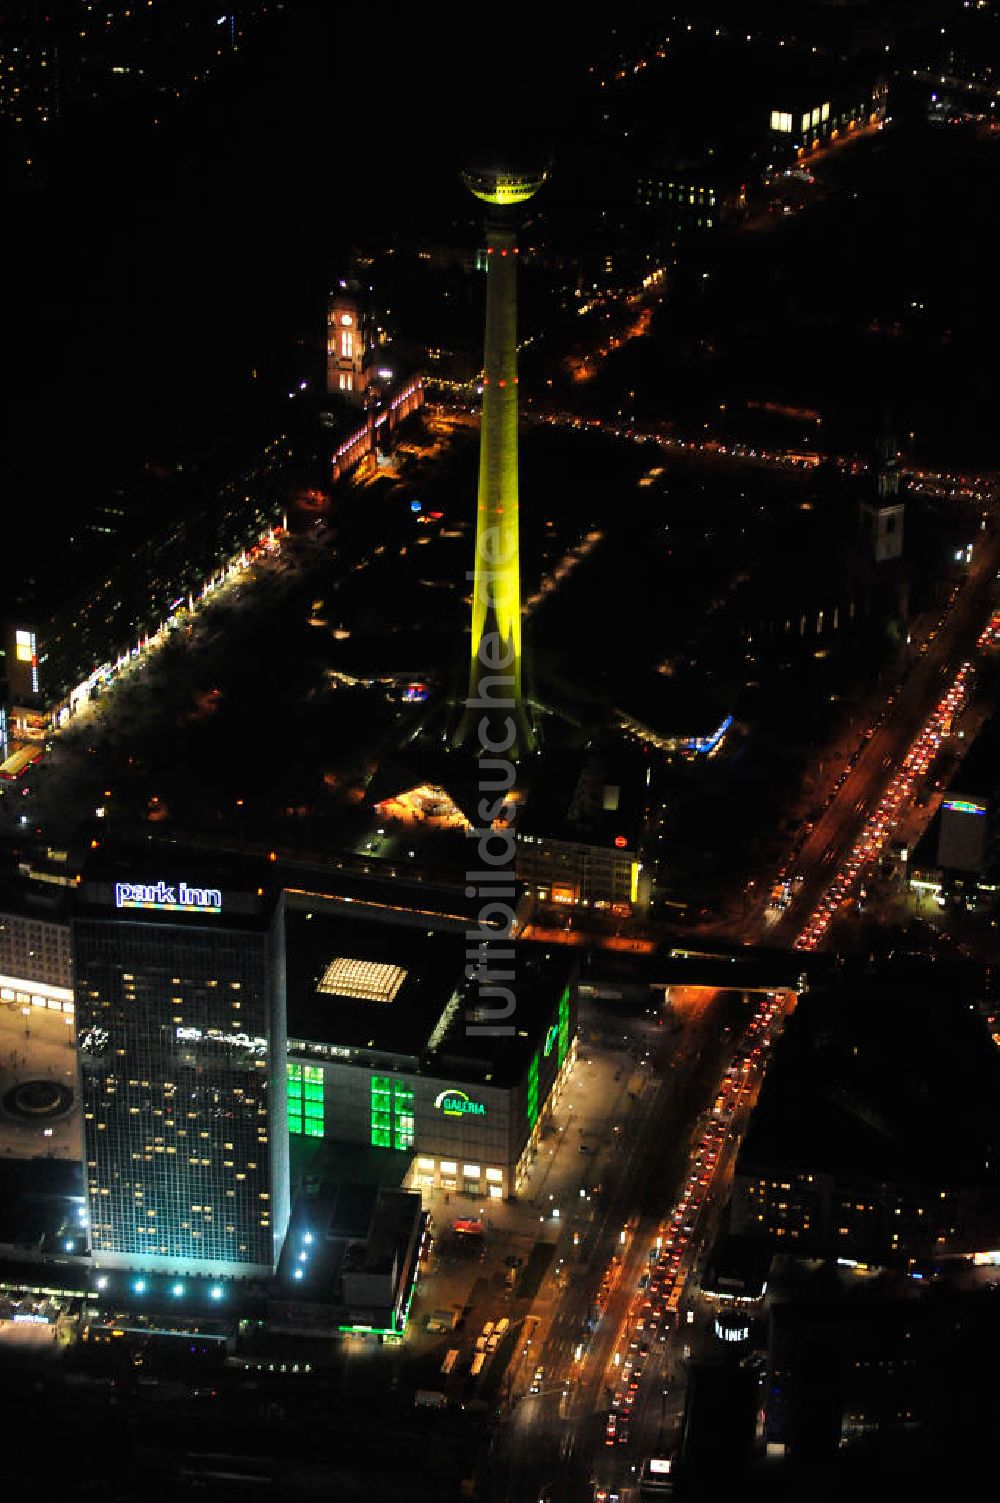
{"x":164,"y":884}
{"x":372,"y":987}
{"x":881,"y":1084}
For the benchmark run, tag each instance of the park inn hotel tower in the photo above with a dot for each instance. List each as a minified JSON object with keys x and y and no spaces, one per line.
{"x":180,"y":1007}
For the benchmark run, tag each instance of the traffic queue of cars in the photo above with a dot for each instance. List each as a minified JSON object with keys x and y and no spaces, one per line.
{"x":880,"y":823}
{"x":655,"y":1310}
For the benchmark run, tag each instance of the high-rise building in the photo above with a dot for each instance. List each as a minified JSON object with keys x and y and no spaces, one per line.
{"x":496,"y":599}
{"x":179,"y":977}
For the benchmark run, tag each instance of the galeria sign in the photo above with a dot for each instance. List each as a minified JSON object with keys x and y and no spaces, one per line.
{"x":458,"y":1104}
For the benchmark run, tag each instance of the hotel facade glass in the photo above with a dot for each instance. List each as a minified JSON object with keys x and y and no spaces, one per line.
{"x":183,"y":1083}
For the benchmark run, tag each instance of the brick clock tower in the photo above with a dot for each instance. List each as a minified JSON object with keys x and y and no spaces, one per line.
{"x":345,"y":345}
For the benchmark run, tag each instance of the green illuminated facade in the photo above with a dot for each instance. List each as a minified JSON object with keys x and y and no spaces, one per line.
{"x":564,"y":1027}
{"x":531,"y":1100}
{"x":306,"y":1111}
{"x":391,"y":1113}
{"x":495,"y":668}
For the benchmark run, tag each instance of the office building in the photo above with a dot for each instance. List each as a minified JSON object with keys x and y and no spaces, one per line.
{"x":384,"y":1049}
{"x":36,"y":959}
{"x":860,"y":1369}
{"x":809,"y":112}
{"x":872,"y":1137}
{"x":578,"y":836}
{"x":180,"y":1007}
{"x":694,"y":191}
{"x":963,"y":838}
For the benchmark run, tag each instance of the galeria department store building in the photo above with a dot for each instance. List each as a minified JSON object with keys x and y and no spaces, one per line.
{"x":382,"y":1050}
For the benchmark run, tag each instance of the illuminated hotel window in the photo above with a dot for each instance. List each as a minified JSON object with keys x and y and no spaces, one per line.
{"x":471,"y":1171}
{"x":347,"y":344}
{"x":495,"y":1174}
{"x":367,"y":980}
{"x":781,"y":120}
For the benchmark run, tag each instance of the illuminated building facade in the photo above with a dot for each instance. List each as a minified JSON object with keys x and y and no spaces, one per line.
{"x":346,"y":344}
{"x":179,"y":983}
{"x":383,"y":1050}
{"x":579,"y":834}
{"x":808,"y":116}
{"x":36,"y":956}
{"x":394,"y":403}
{"x":496,"y":597}
{"x":21,"y":663}
{"x":581,"y":873}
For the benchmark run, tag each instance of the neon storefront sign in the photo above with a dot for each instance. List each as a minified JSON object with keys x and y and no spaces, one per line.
{"x":169,"y":897}
{"x":458,"y":1104}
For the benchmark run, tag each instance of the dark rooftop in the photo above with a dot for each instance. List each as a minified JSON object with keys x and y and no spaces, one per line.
{"x":423,"y":971}
{"x":886,"y":1086}
{"x":594,"y":796}
{"x":423,"y":966}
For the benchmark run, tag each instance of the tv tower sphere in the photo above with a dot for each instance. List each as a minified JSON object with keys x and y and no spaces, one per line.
{"x":502,"y":185}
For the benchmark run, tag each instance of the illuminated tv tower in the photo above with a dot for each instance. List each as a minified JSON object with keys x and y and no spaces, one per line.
{"x":496,"y":598}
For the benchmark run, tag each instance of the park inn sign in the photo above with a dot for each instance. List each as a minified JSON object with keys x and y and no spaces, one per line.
{"x":458,"y":1104}
{"x":170,"y":897}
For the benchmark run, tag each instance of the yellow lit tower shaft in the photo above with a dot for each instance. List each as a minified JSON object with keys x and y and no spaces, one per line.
{"x":496,"y":598}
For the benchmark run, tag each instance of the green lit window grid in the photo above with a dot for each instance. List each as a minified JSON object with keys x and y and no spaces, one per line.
{"x":563,"y":1027}
{"x":392,"y":1122}
{"x":531,"y":1105}
{"x":306,"y":1110}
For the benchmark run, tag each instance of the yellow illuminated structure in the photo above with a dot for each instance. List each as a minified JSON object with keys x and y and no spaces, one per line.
{"x":495,"y":669}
